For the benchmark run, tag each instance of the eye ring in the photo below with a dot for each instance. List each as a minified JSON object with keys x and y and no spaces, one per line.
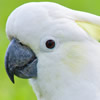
{"x":50,"y":44}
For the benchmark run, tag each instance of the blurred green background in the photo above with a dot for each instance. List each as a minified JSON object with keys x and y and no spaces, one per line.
{"x":22,"y":90}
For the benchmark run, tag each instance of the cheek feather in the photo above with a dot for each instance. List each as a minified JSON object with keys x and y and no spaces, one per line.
{"x":74,"y":57}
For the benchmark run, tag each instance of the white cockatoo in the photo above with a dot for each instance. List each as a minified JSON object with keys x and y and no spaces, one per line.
{"x":57,"y":49}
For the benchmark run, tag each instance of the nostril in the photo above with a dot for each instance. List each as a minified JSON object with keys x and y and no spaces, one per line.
{"x":21,"y":44}
{"x":17,"y":41}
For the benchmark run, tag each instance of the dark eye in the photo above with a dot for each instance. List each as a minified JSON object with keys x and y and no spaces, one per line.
{"x":50,"y":44}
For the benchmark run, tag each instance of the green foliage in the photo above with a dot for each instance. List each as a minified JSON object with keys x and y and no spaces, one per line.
{"x":22,"y":90}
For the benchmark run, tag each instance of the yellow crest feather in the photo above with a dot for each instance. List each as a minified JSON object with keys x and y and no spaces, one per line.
{"x":92,"y":29}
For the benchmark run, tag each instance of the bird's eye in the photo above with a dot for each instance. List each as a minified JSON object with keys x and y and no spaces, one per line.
{"x":50,"y":44}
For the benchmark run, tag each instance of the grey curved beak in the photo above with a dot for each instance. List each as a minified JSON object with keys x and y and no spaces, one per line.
{"x":20,"y":60}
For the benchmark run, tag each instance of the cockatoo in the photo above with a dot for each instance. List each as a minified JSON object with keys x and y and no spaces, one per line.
{"x":56,"y":48}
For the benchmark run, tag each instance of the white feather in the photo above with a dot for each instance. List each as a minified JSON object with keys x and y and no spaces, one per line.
{"x":71,"y":71}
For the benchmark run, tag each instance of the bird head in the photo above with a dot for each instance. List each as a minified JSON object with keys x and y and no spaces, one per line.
{"x":46,"y":42}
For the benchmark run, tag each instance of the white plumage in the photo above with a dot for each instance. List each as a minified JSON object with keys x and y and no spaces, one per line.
{"x":71,"y":70}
